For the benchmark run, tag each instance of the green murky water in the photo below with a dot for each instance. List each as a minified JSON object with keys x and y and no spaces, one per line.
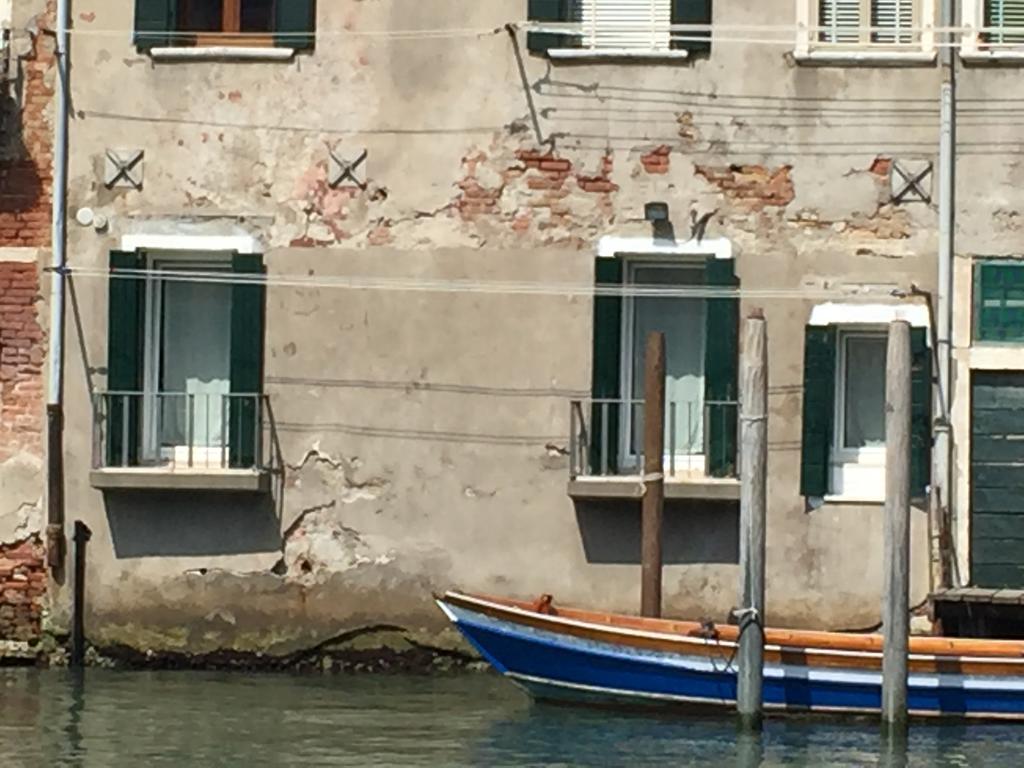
{"x":112,"y":719}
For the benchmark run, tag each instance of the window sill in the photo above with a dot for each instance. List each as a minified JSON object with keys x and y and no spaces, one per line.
{"x":864,"y":58}
{"x":615,"y":54}
{"x":853,"y":498}
{"x":995,"y":58}
{"x":221,"y":53}
{"x":632,"y":487}
{"x":163,"y":479}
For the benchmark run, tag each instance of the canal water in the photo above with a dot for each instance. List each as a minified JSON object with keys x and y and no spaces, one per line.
{"x":112,"y":719}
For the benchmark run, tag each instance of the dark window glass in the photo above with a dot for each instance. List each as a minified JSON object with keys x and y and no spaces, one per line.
{"x":201,"y":15}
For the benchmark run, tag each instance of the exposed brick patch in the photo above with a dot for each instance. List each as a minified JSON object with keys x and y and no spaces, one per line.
{"x":26,"y":153}
{"x":22,"y":589}
{"x":22,"y":351}
{"x":753,"y":186}
{"x":657,"y":160}
{"x":380,"y":234}
{"x":881,"y":166}
{"x":600,"y":183}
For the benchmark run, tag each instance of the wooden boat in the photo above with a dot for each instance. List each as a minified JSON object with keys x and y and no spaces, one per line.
{"x":565,"y":653}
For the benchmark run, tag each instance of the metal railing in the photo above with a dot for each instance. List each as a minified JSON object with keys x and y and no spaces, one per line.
{"x":606,"y":437}
{"x":183,"y":431}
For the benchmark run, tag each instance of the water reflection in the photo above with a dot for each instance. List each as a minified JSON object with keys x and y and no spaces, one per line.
{"x":113,"y":719}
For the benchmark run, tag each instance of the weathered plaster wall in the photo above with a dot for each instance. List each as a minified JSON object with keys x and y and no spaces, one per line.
{"x":423,"y":431}
{"x":25,"y":175}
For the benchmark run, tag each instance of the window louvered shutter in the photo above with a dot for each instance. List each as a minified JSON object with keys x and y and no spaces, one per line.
{"x":295,"y":24}
{"x":126,"y":309}
{"x":550,"y":10}
{"x":155,"y":22}
{"x":895,"y":19}
{"x":605,"y":369}
{"x":248,"y":301}
{"x":692,"y":12}
{"x":641,"y":25}
{"x":840,"y":20}
{"x":721,"y":369}
{"x":820,"y":350}
{"x":1008,"y":14}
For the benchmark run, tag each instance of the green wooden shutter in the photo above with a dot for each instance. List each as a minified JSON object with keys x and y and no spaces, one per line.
{"x":692,"y":12}
{"x":295,"y":24}
{"x":248,"y":299}
{"x":721,"y":369}
{"x":155,"y":22}
{"x":921,"y":412}
{"x":605,"y":377}
{"x":549,"y":10}
{"x":819,"y":409}
{"x":126,"y":307}
{"x":1006,"y":14}
{"x":999,"y":301}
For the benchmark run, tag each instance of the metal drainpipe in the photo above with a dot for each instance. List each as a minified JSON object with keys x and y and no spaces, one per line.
{"x":55,"y":537}
{"x":941,"y":507}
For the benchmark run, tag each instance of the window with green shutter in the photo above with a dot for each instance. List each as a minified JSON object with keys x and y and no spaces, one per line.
{"x":185,"y":360}
{"x":1007,"y":17}
{"x":999,"y":301}
{"x":721,"y":369}
{"x":284,"y":23}
{"x":248,"y":300}
{"x":126,"y":308}
{"x":701,"y":338}
{"x":692,"y":12}
{"x":621,"y":25}
{"x":843,"y":429}
{"x":554,"y":11}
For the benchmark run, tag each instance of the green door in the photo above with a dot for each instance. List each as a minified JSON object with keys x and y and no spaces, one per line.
{"x":997,"y":480}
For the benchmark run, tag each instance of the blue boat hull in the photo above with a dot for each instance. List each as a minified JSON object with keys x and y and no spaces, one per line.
{"x":552,"y":664}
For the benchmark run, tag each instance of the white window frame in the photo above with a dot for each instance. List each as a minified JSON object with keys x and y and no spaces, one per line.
{"x":810,"y":50}
{"x":971,"y":47}
{"x":152,"y":451}
{"x":853,"y":468}
{"x":857,"y":475}
{"x":687,"y":462}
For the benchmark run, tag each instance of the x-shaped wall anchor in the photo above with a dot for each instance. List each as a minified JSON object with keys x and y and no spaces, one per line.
{"x":123,"y":168}
{"x":341,"y":170}
{"x":908,"y":180}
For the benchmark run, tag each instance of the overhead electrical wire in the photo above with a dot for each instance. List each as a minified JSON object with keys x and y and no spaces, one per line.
{"x":492,"y":287}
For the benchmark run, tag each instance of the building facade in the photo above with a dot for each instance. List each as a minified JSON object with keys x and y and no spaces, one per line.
{"x":26,"y":90}
{"x":358,"y":296}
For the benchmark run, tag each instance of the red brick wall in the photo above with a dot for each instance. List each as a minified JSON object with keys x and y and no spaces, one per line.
{"x":26,"y":149}
{"x":26,"y":158}
{"x":22,"y":589}
{"x":22,"y":353}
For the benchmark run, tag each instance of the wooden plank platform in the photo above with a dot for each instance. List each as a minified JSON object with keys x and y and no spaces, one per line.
{"x":979,"y":595}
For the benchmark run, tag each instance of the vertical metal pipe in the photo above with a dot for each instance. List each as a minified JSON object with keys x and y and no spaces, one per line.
{"x":54,"y":405}
{"x":753,"y":507}
{"x":941,"y":455}
{"x":896,"y":609}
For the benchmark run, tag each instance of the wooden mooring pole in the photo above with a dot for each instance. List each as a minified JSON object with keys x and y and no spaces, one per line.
{"x":753,"y":502}
{"x":80,"y":541}
{"x":895,"y":597}
{"x":654,"y":475}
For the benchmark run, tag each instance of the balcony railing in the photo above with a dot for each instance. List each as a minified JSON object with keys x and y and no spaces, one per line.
{"x":606,"y":438}
{"x":179,"y":431}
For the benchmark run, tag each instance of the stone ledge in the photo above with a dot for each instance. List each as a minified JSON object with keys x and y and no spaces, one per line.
{"x":147,"y":478}
{"x":631,"y":487}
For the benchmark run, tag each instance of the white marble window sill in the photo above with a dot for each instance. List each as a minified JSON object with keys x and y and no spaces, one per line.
{"x":221,"y":53}
{"x":612,"y":54}
{"x":864,"y":58}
